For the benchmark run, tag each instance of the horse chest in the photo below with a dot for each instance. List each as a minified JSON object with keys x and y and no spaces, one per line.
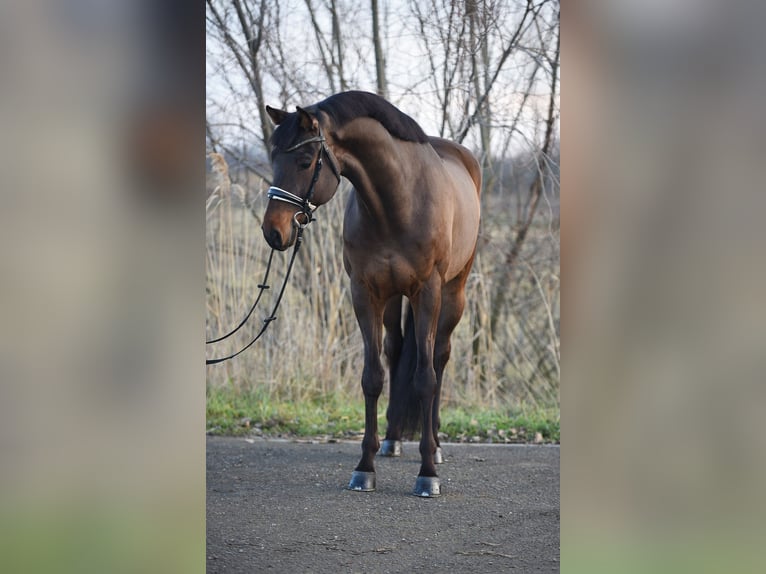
{"x":384,"y":273}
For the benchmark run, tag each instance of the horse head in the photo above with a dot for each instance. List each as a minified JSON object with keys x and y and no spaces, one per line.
{"x":299,"y":150}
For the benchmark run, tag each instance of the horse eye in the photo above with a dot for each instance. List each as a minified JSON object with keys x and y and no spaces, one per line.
{"x":304,"y":164}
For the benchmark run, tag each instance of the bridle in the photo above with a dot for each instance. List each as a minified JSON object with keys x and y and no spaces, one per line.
{"x":304,"y":204}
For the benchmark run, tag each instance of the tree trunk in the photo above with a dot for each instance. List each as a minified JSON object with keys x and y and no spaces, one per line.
{"x":380,"y":62}
{"x":338,"y":43}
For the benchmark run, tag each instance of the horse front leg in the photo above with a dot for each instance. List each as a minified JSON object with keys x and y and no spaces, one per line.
{"x":369,"y":315}
{"x":426,"y":306}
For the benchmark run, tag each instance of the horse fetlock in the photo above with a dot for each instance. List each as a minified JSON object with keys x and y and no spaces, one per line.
{"x":390,"y":447}
{"x":427,"y":448}
{"x":370,"y":444}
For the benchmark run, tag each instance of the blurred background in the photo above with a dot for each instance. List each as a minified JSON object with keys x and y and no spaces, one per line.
{"x":663,"y":329}
{"x":102,"y":226}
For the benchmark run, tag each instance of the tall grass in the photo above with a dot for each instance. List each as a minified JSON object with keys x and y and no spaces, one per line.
{"x":505,"y":350}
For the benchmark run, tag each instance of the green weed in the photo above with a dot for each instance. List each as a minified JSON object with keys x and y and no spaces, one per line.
{"x":231,"y":411}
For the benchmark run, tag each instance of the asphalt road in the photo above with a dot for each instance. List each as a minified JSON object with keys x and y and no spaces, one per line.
{"x":279,"y":506}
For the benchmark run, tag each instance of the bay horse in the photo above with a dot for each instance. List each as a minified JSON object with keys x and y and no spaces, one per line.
{"x":410,"y":230}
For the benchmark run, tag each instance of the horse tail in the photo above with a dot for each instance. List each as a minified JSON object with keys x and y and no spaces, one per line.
{"x":405,"y":376}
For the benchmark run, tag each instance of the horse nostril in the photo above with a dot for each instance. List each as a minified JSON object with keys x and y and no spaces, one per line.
{"x":275,"y":238}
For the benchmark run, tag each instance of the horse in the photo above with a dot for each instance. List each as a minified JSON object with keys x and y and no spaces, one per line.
{"x":410,"y":230}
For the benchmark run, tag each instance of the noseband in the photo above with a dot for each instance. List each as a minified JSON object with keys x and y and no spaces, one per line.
{"x":305,"y":205}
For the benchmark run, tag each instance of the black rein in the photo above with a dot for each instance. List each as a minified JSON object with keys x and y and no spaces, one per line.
{"x":267,"y":321}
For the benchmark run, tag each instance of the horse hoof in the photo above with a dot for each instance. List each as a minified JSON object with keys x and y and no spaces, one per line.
{"x":390,"y":448}
{"x":438,"y":457}
{"x":427,"y":487}
{"x":362,"y":481}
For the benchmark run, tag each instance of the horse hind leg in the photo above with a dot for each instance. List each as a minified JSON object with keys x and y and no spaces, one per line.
{"x":453,"y":304}
{"x":400,"y":351}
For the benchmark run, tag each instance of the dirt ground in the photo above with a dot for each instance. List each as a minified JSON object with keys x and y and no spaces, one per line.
{"x":281,"y":506}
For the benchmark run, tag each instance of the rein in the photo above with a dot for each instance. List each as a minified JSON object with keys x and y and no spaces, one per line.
{"x":307,"y":209}
{"x":272,"y":317}
{"x":262,"y":286}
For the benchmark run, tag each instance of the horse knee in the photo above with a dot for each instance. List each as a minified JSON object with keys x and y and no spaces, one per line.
{"x":372,"y":380}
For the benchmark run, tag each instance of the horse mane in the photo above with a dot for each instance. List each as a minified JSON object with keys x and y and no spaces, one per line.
{"x":347,"y":106}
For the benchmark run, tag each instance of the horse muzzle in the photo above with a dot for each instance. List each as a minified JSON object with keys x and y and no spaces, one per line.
{"x":281,"y":226}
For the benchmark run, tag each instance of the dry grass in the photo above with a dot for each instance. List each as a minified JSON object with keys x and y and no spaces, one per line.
{"x":505,"y":350}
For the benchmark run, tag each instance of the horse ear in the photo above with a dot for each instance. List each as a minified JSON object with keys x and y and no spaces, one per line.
{"x":277,"y":116}
{"x":308,"y":121}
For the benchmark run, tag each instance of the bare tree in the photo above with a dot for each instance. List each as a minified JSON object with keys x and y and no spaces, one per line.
{"x":251,"y":31}
{"x":543,"y":161}
{"x":338,"y":53}
{"x":325,"y":50}
{"x":380,"y":62}
{"x":544,"y":153}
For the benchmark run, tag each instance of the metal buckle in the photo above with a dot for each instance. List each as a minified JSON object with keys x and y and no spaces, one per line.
{"x":298,"y":224}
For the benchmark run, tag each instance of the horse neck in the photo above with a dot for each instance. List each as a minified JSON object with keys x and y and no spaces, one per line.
{"x":379,"y":166}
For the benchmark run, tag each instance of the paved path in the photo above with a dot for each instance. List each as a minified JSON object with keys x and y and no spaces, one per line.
{"x":278,"y":506}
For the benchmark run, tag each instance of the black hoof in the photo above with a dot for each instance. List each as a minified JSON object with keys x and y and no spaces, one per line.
{"x":427,"y":487}
{"x":390,"y":448}
{"x":362,"y":481}
{"x":438,"y":457}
